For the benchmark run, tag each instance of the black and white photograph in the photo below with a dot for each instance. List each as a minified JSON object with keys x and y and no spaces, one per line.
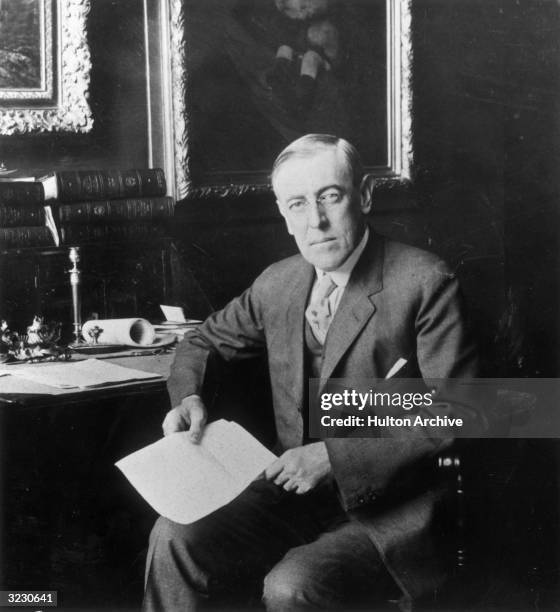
{"x":279,"y":305}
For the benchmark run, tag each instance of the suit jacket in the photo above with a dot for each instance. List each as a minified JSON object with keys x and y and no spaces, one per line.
{"x":400,"y":302}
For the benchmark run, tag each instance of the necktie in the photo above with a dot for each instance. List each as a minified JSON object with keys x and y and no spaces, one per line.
{"x":318,"y":313}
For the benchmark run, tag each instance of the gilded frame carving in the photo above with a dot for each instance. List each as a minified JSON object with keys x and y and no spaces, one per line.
{"x":396,"y":170}
{"x":60,"y":101}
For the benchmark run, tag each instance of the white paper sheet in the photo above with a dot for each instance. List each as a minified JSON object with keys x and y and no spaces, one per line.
{"x":80,"y":374}
{"x":174,"y":314}
{"x":184,"y":481}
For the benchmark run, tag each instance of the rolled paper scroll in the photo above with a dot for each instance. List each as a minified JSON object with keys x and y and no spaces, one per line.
{"x":130,"y":332}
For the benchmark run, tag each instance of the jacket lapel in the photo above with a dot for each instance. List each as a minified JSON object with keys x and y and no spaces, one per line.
{"x":296,"y":295}
{"x":356,"y":306}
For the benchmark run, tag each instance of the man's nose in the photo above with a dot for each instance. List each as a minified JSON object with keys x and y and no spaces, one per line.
{"x":316,"y":215}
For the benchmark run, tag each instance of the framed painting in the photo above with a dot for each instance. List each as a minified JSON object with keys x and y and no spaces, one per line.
{"x":249,"y":76}
{"x":44,"y":66}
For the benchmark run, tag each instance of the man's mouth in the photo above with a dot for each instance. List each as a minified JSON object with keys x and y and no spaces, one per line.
{"x":321,"y":241}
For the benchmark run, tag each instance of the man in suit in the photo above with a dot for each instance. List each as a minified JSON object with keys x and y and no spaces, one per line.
{"x":340,"y":522}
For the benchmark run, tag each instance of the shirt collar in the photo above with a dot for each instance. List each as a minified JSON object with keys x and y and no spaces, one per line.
{"x":341,"y":275}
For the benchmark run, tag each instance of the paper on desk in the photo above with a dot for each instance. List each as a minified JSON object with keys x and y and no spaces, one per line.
{"x":184,"y":481}
{"x":81,"y":374}
{"x":173,"y":313}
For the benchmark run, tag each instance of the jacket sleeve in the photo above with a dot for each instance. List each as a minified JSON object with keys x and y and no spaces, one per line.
{"x":234,"y":333}
{"x":368,"y":469}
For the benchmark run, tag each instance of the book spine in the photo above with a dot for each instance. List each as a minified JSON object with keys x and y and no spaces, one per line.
{"x":80,"y":185}
{"x":133,"y":232}
{"x":116,"y":210}
{"x":15,"y":237}
{"x":21,"y":193}
{"x":14,"y":216}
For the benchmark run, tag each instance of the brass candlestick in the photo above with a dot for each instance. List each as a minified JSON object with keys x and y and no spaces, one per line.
{"x":74,"y":257}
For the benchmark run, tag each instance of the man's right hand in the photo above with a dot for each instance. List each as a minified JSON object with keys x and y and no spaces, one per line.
{"x":190,"y":415}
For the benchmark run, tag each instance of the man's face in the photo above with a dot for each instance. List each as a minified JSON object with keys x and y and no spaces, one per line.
{"x":322,"y":208}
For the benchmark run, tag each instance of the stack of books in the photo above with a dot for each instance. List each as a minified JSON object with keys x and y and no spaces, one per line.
{"x":84,"y":206}
{"x":109,"y":205}
{"x":25,"y":218}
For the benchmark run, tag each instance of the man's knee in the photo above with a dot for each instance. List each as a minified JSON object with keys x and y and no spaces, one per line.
{"x":286,"y":587}
{"x":196,"y":552}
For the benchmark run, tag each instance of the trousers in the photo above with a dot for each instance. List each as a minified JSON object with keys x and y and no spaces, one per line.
{"x":293,"y":552}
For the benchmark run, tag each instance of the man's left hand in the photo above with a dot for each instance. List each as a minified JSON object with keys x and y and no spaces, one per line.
{"x":300,"y":469}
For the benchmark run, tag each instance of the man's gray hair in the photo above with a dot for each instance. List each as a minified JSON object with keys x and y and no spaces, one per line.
{"x":310,"y":144}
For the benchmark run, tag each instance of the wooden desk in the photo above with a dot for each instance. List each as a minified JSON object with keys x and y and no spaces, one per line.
{"x":20,"y":392}
{"x":70,"y":521}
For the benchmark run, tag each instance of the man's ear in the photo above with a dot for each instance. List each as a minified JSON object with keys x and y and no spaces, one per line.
{"x":288,"y":226}
{"x":366,"y":194}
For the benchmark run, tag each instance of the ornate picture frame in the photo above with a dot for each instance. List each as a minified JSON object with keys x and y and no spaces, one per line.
{"x":45,"y":73}
{"x":185,"y":44}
